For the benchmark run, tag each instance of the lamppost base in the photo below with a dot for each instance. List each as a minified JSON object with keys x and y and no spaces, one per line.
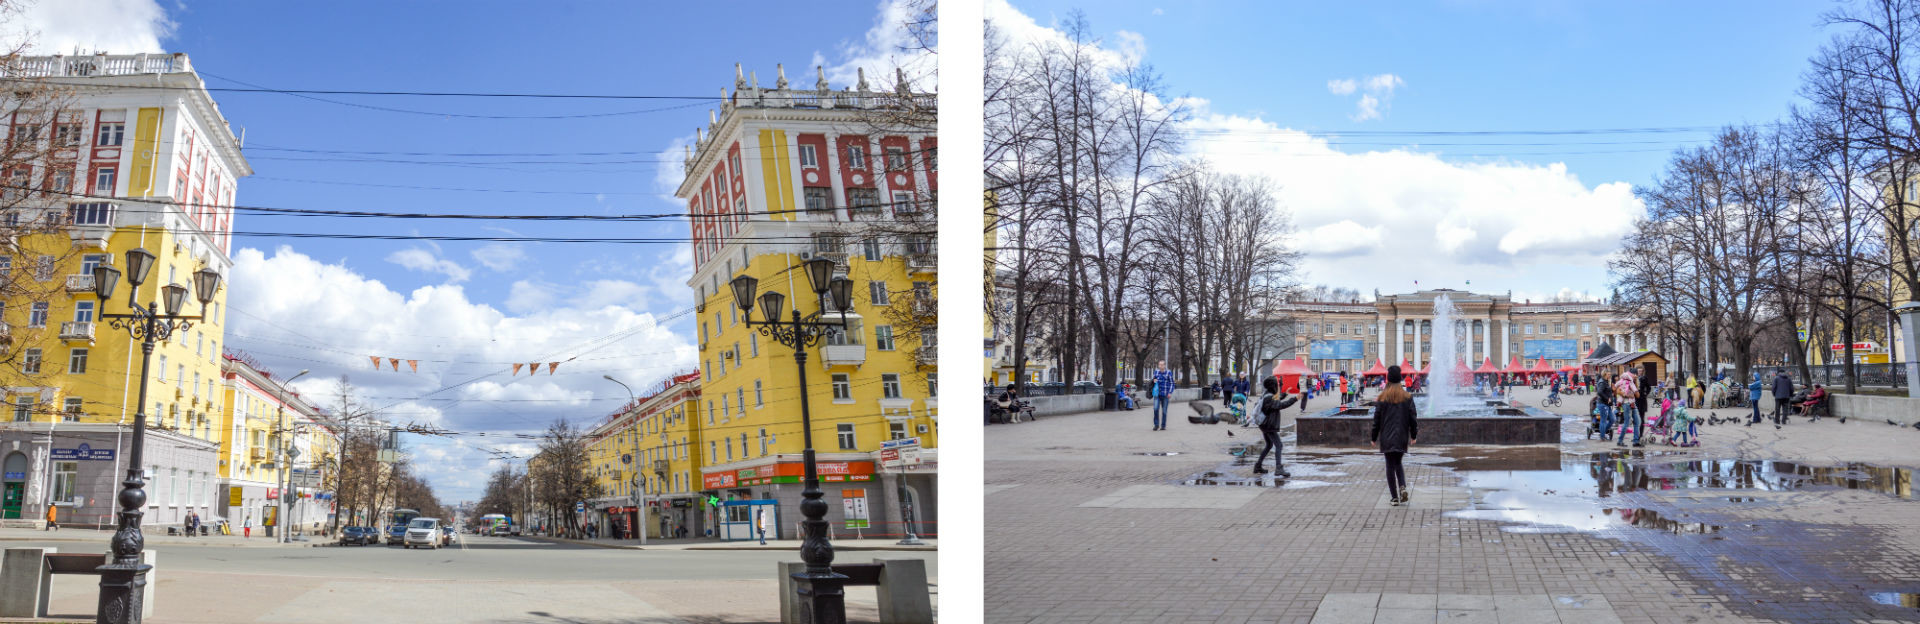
{"x":910,"y":540}
{"x":122,"y":593}
{"x":822,"y":596}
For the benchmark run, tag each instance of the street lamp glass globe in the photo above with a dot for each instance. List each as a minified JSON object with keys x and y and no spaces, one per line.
{"x":842,"y":291}
{"x":139,"y":262}
{"x":105,"y":277}
{"x":205,"y":283}
{"x":172,"y":295}
{"x":771,"y":303}
{"x":819,"y":271}
{"x":743,"y":288}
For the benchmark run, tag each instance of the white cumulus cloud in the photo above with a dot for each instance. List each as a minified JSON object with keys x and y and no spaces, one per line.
{"x":1378,"y":91}
{"x":425,"y":261}
{"x":88,"y":26}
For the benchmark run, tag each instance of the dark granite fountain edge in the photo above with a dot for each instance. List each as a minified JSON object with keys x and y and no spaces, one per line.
{"x":1330,"y":428}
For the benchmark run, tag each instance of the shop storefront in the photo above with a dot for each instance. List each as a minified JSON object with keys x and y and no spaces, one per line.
{"x":854,"y":495}
{"x":76,"y":469}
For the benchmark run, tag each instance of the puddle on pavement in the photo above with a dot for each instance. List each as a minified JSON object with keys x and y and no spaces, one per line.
{"x":1160,"y":453}
{"x":1896,"y":599}
{"x":1545,"y":491}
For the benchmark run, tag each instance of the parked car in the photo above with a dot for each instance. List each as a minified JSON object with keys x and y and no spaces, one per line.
{"x":423,"y":533}
{"x":1085,"y":384}
{"x":358,"y":536}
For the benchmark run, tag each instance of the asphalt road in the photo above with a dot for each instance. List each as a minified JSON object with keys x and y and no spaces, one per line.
{"x":494,"y":579}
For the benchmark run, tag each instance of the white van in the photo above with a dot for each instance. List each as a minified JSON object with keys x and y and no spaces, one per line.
{"x":423,"y":532}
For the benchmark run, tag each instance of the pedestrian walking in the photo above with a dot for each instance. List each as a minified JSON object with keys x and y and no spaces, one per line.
{"x":1344,"y":397}
{"x":1272,"y":403}
{"x":52,"y":513}
{"x":760,"y":522}
{"x":1632,"y":407}
{"x":1306,"y":392}
{"x":1604,"y":394}
{"x":1395,"y":427}
{"x":1162,"y":392}
{"x":1782,"y":392}
{"x":246,"y":527}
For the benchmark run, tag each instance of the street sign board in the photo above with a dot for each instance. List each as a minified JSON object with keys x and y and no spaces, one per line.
{"x":233,"y":496}
{"x":83,"y":452}
{"x":901,"y":452}
{"x":579,"y":508}
{"x":306,"y":477}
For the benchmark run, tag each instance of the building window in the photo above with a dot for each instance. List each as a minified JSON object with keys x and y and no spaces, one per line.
{"x":30,"y":361}
{"x":856,"y":157}
{"x":22,"y":409}
{"x":896,"y":431}
{"x":73,"y":409}
{"x":883,"y":337}
{"x":842,"y":387}
{"x":818,"y":198}
{"x":863,"y":199}
{"x":753,"y":343}
{"x":77,"y":361}
{"x":709,"y":412}
{"x":735,"y":159}
{"x":160,"y":373}
{"x":903,"y":203}
{"x":103,"y":180}
{"x":807,"y":156}
{"x":37,"y":314}
{"x":759,"y":400}
{"x":870,"y":249}
{"x":890,"y":385}
{"x":763,"y":442}
{"x":65,"y":475}
{"x":828,"y":243}
{"x":896,"y":159}
{"x":846,"y":436}
{"x":933,"y":384}
{"x":62,"y":181}
{"x":743,"y":446}
{"x":43,"y":268}
{"x":877,"y":292}
{"x":173,"y":486}
{"x":1529,"y":327}
{"x":67,"y":135}
{"x":112,"y":133}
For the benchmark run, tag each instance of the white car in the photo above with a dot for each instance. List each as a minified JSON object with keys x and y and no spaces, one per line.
{"x":423,"y":532}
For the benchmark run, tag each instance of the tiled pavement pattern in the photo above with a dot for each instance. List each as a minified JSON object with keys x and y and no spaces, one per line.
{"x":1463,"y":609}
{"x":1060,"y":550}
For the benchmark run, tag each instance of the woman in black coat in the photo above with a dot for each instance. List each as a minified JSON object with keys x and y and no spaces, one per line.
{"x":1271,"y":404}
{"x":1395,"y":426}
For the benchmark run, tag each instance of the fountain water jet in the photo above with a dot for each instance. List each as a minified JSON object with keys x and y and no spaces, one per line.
{"x":1444,"y":393}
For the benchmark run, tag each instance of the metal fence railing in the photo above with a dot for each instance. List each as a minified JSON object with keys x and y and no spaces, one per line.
{"x":1870,"y":375}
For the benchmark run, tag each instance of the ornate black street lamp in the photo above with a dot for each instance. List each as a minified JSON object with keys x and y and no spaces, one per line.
{"x":123,"y":582}
{"x":819,"y":587}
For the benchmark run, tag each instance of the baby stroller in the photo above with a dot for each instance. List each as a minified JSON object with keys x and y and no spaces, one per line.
{"x":1660,"y":427}
{"x":1593,"y":417}
{"x":1238,"y":410}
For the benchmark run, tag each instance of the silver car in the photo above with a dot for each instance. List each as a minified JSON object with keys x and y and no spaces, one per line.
{"x":423,"y":532}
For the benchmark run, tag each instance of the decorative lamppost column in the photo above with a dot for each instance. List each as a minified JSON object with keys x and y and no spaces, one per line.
{"x":819,"y":587}
{"x":123,"y":582}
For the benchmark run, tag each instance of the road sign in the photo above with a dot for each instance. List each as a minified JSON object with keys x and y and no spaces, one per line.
{"x":579,"y":508}
{"x":901,"y":452}
{"x":233,"y":496}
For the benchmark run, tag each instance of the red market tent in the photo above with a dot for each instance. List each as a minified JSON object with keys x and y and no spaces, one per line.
{"x":1290,"y":372}
{"x":1514,"y":366}
{"x":1487,"y":367}
{"x":1570,"y":368}
{"x":1541,"y":368}
{"x":1379,"y":370}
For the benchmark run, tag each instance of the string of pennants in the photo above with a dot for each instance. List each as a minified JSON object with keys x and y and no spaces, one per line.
{"x":533,"y":368}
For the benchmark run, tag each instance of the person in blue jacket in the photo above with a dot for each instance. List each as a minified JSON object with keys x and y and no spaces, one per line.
{"x":1753,"y":396}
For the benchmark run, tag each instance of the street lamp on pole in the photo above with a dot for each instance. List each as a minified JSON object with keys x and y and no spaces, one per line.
{"x":287,"y":455}
{"x":638,"y":484}
{"x":123,"y":581}
{"x":819,"y":587}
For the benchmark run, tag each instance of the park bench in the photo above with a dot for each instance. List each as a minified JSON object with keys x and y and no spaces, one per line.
{"x":901,"y":586}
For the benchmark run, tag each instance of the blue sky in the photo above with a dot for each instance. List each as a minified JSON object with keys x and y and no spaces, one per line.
{"x":467,"y":309}
{"x":1267,"y":69}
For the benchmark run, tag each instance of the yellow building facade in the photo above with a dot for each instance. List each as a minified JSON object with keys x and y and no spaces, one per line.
{"x":783,"y":176}
{"x":114,"y":169}
{"x":262,"y":415}
{"x":663,"y":441}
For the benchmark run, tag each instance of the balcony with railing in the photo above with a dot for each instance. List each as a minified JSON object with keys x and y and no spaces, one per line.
{"x":843,"y":354}
{"x":919,"y":262}
{"x":80,"y":283}
{"x":103,"y":64}
{"x":76,"y":330}
{"x":660,"y":466}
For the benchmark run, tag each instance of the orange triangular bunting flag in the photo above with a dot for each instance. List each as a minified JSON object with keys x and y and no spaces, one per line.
{"x":516,"y":369}
{"x":533,"y":367}
{"x":414,"y":364}
{"x":395,"y":362}
{"x":376,"y":361}
{"x":551,"y":366}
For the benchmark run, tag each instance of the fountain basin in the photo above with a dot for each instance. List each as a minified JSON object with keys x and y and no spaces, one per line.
{"x":1353,"y":426}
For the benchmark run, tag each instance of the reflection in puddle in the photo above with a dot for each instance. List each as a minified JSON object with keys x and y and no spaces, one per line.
{"x":1160,"y":453}
{"x":1896,"y":599}
{"x":1262,"y":480}
{"x":1515,"y":486}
